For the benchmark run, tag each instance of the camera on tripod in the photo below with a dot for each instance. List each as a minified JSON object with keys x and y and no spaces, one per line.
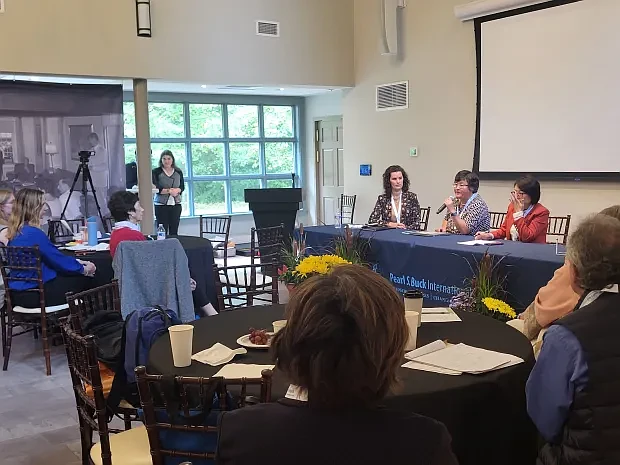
{"x":85,"y":155}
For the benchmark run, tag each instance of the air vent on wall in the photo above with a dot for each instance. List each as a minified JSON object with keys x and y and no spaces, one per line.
{"x":394,"y":96}
{"x":267,"y":28}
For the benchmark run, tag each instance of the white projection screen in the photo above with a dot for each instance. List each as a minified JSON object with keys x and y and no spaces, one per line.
{"x":549,"y":91}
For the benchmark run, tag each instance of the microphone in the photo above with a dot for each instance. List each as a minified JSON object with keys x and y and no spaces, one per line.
{"x":443,"y":207}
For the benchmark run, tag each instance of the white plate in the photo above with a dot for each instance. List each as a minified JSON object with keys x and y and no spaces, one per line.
{"x":245,"y":342}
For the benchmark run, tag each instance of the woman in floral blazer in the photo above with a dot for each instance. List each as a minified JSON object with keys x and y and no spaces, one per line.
{"x":397,"y":207}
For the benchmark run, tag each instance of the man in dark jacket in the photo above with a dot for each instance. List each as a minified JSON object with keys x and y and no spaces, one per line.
{"x":573,"y":393}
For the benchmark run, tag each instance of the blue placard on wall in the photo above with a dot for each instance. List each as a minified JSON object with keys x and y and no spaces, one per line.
{"x":365,"y":170}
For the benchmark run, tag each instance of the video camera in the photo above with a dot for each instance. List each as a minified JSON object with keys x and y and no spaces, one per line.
{"x":85,"y":155}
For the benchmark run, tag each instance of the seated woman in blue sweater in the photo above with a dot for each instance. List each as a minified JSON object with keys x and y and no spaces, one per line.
{"x":61,"y":273}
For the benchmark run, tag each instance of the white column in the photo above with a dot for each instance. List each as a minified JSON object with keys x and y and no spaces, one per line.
{"x":143,"y":149}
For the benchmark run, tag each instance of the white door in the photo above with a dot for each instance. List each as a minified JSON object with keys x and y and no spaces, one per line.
{"x":330,"y":169}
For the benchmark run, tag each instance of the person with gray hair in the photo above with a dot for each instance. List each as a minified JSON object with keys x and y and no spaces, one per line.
{"x":573,"y":392}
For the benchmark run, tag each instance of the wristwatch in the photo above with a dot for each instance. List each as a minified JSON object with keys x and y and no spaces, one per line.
{"x":454,"y":213}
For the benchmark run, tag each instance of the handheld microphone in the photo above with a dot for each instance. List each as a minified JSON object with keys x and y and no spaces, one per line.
{"x":443,"y":207}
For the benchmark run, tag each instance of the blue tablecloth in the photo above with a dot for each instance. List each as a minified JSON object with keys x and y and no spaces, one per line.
{"x":439,"y":266}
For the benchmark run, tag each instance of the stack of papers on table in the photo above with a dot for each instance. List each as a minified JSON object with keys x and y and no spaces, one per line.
{"x":480,"y":242}
{"x":425,"y":233}
{"x":240,"y":370}
{"x":440,"y":357}
{"x":102,"y":247}
{"x":439,"y":315}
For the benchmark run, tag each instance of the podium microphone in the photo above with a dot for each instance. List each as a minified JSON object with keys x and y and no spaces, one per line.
{"x":443,"y":207}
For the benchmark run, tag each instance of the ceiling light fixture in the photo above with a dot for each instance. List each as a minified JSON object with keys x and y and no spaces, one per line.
{"x":203,"y":86}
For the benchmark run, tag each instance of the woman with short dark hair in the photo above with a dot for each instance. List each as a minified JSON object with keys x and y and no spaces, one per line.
{"x":396,"y":207}
{"x":127,"y":212}
{"x":168,"y":179}
{"x":526,"y":220}
{"x":341,"y":348}
{"x":467,"y":211}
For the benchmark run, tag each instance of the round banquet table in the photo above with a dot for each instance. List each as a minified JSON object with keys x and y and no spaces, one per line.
{"x":485,"y":414}
{"x":200,"y":260}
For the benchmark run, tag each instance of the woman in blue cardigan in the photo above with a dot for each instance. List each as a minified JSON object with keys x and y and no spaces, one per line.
{"x":61,"y":273}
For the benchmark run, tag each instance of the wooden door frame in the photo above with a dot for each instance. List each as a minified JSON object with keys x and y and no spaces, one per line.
{"x":317,"y":160}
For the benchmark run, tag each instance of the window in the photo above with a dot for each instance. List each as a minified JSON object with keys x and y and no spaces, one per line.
{"x":221,"y":148}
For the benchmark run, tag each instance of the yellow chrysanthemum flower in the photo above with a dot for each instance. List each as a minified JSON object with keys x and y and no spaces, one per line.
{"x":496,"y":305}
{"x":318,"y":264}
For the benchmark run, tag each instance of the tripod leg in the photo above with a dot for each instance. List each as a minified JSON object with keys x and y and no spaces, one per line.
{"x":89,"y":179}
{"x":77,"y":175}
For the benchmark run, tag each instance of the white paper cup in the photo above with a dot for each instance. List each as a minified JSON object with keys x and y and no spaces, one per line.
{"x":181,"y":344}
{"x":413,"y":321}
{"x":278,"y":325}
{"x":414,"y":305}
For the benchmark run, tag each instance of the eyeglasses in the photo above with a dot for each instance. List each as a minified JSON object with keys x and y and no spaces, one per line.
{"x":460,"y":185}
{"x":518,"y":193}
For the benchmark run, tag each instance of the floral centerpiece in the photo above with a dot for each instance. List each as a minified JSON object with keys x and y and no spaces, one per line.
{"x":484,"y":292}
{"x":308,"y":267}
{"x":497,"y":309}
{"x":298,"y":265}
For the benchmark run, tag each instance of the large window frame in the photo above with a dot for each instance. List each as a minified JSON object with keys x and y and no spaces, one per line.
{"x":264,"y":178}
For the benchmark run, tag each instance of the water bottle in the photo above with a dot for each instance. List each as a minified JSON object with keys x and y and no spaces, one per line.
{"x":92,"y":228}
{"x":338,"y":220}
{"x":161,"y":233}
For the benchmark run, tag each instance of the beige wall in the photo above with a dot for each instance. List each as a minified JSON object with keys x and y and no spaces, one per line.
{"x":316,"y":108}
{"x":439,"y":62}
{"x":210,"y":41}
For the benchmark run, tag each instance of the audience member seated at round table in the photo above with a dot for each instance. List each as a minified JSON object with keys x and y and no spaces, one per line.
{"x":61,"y":273}
{"x":572,"y":392}
{"x":557,"y":298}
{"x":7,"y":199}
{"x":340,"y":349}
{"x":467,"y":211}
{"x":526,"y":219}
{"x":397,"y":207}
{"x":127,"y":212}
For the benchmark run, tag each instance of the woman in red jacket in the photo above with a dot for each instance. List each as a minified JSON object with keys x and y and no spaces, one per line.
{"x":526,"y":220}
{"x":127,"y":212}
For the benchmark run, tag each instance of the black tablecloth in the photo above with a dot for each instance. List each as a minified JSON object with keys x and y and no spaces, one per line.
{"x":439,"y":265}
{"x":200,"y":260}
{"x":485,"y":414}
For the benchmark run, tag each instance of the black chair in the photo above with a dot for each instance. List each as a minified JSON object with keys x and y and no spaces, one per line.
{"x":266,"y":244}
{"x":127,"y":447}
{"x":57,"y":232}
{"x":558,"y":226}
{"x":14,"y":260}
{"x":190,"y":394}
{"x":85,"y":304}
{"x":246,"y":285}
{"x":108,"y":224}
{"x":347,"y":208}
{"x":211,"y":226}
{"x":424,"y":215}
{"x":497,"y":219}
